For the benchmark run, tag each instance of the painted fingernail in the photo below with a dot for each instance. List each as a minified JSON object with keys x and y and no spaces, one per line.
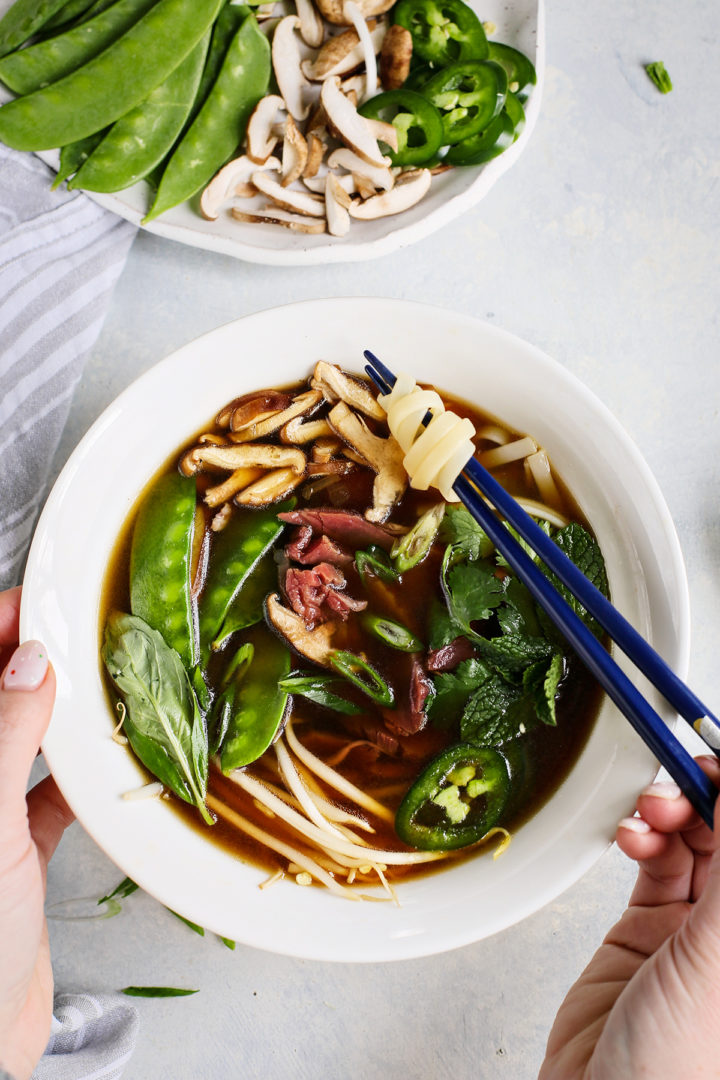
{"x":663,"y":789}
{"x":634,"y":824}
{"x":27,"y":668}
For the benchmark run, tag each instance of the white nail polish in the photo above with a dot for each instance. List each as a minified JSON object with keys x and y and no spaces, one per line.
{"x":634,"y":824}
{"x":663,"y":789}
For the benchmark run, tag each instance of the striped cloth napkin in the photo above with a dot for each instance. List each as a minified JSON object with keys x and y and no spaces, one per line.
{"x":60,"y":256}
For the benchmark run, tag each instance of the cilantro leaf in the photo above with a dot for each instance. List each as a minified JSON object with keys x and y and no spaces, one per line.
{"x":543,"y":525}
{"x":519,"y":614}
{"x":461,"y":530}
{"x":473,"y":592}
{"x":442,"y":628}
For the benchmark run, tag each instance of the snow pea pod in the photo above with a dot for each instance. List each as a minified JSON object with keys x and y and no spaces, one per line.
{"x":113,"y":82}
{"x":247,"y":607}
{"x":71,"y":11}
{"x":139,"y":140}
{"x":259,"y":705}
{"x":160,"y":562}
{"x":23,"y":20}
{"x":226,"y":26}
{"x":234,"y":554}
{"x":47,"y":61}
{"x":220,"y":125}
{"x":74,"y":154}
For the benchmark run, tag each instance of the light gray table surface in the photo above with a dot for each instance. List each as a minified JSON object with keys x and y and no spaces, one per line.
{"x":601,"y":246}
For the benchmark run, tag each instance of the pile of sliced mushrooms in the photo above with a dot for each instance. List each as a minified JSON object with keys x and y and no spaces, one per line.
{"x":273,"y":442}
{"x":308,"y":150}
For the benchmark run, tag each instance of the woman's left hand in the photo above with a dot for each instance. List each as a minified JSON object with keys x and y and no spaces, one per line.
{"x":31,"y":830}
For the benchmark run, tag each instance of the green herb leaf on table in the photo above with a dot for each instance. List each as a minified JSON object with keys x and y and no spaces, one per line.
{"x":156,"y":991}
{"x":193,"y":926}
{"x":163,"y":724}
{"x":658,"y":75}
{"x":126,"y":887}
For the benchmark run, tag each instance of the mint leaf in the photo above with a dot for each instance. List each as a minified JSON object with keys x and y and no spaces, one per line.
{"x":452,"y":689}
{"x":496,"y":713}
{"x":460,"y":529}
{"x":583,"y":550}
{"x":513,"y":652}
{"x":542,"y":681}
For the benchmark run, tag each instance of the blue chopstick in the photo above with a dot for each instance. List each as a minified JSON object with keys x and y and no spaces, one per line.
{"x":651,"y":728}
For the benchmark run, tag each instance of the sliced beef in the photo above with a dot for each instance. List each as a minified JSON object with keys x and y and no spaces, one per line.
{"x":449,"y":656}
{"x":345,"y":526}
{"x":408,"y":717}
{"x":307,"y":549}
{"x":316,"y":594}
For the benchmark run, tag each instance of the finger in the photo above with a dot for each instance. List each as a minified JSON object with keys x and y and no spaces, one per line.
{"x":665,"y":861}
{"x":27,"y":693}
{"x":49,"y":815}
{"x":702,"y":934}
{"x":9,"y":620}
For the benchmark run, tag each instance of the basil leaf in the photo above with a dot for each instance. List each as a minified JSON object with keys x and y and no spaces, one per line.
{"x":163,"y":724}
{"x":156,"y":991}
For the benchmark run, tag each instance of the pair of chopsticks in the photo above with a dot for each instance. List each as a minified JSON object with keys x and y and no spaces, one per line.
{"x":475,"y":482}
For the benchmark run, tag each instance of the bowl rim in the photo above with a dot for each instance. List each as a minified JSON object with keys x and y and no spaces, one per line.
{"x":402,"y":311}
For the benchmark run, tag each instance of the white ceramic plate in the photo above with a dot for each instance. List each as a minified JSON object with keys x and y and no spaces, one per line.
{"x":138,"y":432}
{"x":519,"y":23}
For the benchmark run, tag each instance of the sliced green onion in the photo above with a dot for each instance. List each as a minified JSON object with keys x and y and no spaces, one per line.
{"x":315,"y":688}
{"x":156,"y":991}
{"x":125,"y":888}
{"x":393,"y":633}
{"x":351,"y":665}
{"x":657,"y":72}
{"x":193,"y":926}
{"x":411,"y":549}
{"x":375,"y":561}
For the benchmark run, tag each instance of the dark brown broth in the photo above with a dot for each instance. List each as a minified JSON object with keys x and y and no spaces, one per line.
{"x":539,"y":761}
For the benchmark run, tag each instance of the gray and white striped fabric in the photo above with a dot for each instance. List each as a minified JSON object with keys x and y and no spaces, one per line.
{"x":93,"y":1038}
{"x":60,"y":256}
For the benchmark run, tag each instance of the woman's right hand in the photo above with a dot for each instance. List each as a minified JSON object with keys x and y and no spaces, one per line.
{"x":648,"y":1003}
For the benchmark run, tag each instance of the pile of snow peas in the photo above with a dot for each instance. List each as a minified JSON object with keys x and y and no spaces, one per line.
{"x":132,"y":89}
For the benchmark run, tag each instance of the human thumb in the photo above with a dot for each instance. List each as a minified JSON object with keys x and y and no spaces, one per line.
{"x":27,"y":693}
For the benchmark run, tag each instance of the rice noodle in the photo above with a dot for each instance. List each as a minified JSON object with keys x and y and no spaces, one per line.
{"x":437,"y":453}
{"x":494,"y":433}
{"x":334,"y":779}
{"x":121,"y":740}
{"x":290,"y":853}
{"x":334,"y":844}
{"x":545,"y":513}
{"x":294,"y":782}
{"x":539,"y":467}
{"x":511,"y":451}
{"x":148,"y":791}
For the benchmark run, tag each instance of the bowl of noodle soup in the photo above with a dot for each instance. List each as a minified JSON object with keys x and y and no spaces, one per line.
{"x":65,"y":602}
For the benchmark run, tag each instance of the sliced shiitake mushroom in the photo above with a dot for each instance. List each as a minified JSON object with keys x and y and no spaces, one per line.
{"x":302,"y":405}
{"x":354,"y":130}
{"x":265,"y":127}
{"x":337,"y":385}
{"x":272,"y":487}
{"x":385,"y":457}
{"x":276,"y":216}
{"x":395,"y":57}
{"x":286,"y":65}
{"x":406,"y":193}
{"x":317,"y":645}
{"x":334,"y":12}
{"x":299,"y":431}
